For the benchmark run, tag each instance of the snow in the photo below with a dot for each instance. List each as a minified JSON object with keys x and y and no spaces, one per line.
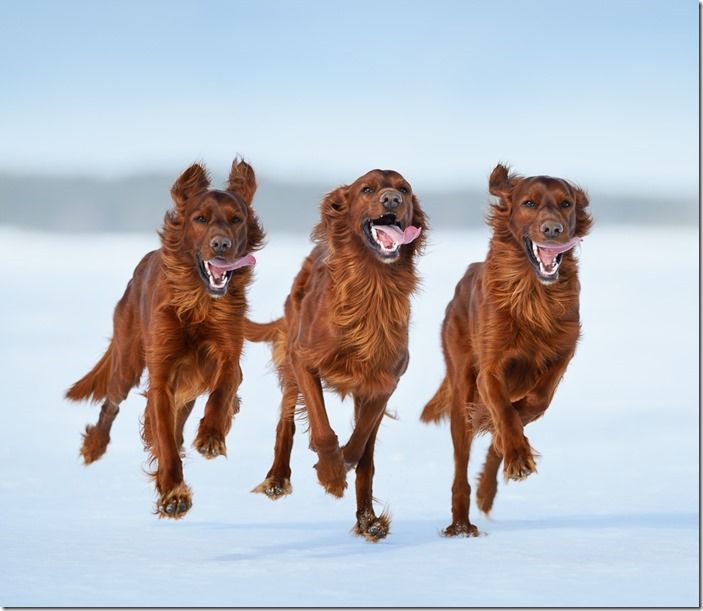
{"x":610,"y":519}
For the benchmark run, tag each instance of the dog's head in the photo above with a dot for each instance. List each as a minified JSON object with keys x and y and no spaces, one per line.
{"x":546,"y":216}
{"x":214,"y":231}
{"x":379,"y":211}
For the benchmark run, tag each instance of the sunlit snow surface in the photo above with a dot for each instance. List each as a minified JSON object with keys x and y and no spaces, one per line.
{"x":610,"y":519}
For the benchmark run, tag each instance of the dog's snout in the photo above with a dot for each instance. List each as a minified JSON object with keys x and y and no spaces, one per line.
{"x":391,"y":199}
{"x":552,"y":229}
{"x":220,"y":244}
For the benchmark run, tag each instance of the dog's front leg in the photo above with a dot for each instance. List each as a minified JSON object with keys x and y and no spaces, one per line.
{"x":174,"y":495}
{"x":331,"y":471}
{"x":508,"y":434}
{"x":221,"y":407}
{"x":536,"y":402}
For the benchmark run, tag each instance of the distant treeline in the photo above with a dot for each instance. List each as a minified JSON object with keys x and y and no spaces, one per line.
{"x":138,"y":203}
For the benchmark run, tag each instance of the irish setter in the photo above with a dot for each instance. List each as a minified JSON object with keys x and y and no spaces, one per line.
{"x":346,"y":327}
{"x":510,"y":331}
{"x":181,"y":317}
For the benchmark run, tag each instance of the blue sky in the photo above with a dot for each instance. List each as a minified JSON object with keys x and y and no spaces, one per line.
{"x":604,"y":92}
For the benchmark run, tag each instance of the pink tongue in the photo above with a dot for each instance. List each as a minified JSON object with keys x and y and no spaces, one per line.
{"x":218,"y":268}
{"x":555,"y":249}
{"x":549,"y":252}
{"x":398,"y":236}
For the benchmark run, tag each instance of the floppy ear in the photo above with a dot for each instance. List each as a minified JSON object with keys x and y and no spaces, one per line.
{"x":419,"y":219}
{"x":501,"y":182}
{"x":193,"y":181}
{"x":333,"y":208}
{"x":584,"y":220}
{"x":242,"y":180}
{"x":335,"y":205}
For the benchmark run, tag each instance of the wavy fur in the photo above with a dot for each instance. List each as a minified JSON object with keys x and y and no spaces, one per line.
{"x":190,"y":340}
{"x":507,"y":336}
{"x":346,"y":327}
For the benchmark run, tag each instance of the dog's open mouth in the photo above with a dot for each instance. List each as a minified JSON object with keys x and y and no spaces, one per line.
{"x":546,"y":257}
{"x":386,"y":235}
{"x":216,"y":273}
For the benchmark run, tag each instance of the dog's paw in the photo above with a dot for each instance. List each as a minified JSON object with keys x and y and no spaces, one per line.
{"x":210,"y":444}
{"x":372,"y":528}
{"x":95,"y":442}
{"x":332,"y":473}
{"x":461,"y":529}
{"x":176,"y":503}
{"x":517,"y":465}
{"x":274,"y":488}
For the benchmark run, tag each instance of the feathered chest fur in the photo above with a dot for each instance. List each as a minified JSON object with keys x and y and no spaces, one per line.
{"x":369,"y":322}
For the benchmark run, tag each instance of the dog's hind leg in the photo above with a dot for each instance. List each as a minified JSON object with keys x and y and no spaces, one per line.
{"x":97,"y":436}
{"x":462,"y":435}
{"x":277,"y":483}
{"x":121,"y":370}
{"x":488,"y":480}
{"x":181,"y":419}
{"x":125,"y":375}
{"x":367,"y":416}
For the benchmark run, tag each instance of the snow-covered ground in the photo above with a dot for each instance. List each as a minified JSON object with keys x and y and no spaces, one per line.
{"x":610,"y":519}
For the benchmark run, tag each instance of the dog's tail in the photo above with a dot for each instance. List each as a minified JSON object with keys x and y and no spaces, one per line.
{"x":263,"y":332}
{"x":93,"y":385}
{"x":438,"y":406}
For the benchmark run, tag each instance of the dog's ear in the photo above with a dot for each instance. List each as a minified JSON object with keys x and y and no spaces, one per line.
{"x":584,"y":220}
{"x":242,"y":180}
{"x":333,"y":208}
{"x":335,"y":205}
{"x":419,"y":219}
{"x":501,"y":182}
{"x":193,"y":181}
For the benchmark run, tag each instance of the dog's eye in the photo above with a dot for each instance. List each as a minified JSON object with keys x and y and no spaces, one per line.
{"x":367,"y":190}
{"x":528,"y":203}
{"x":200,"y":219}
{"x":235,"y":220}
{"x":566,"y":204}
{"x":403,"y":189}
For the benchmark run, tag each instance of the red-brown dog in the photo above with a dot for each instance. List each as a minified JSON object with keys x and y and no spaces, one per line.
{"x":181,"y":317}
{"x":510,"y":331}
{"x":346,"y":326}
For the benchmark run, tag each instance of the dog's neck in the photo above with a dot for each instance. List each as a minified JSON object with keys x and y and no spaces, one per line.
{"x":517,"y":290}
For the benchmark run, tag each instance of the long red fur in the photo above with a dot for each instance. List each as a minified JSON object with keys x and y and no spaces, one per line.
{"x":345,"y":326}
{"x":190,"y":341}
{"x":508,"y":337}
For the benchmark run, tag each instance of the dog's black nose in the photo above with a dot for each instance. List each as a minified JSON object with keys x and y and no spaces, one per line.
{"x":391,"y":199}
{"x":551,"y":229}
{"x":220,"y":243}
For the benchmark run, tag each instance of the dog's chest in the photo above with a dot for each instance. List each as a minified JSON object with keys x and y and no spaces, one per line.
{"x":370,"y":367}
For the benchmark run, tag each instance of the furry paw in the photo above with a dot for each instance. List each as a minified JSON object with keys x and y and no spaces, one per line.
{"x":517,"y":465}
{"x":461,"y":529}
{"x":332,"y":473}
{"x":372,"y":528}
{"x":274,"y":488}
{"x":176,"y":503}
{"x":210,"y":444}
{"x":95,"y":442}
